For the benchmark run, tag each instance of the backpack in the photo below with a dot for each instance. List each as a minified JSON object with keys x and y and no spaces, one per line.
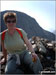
{"x":17,"y":29}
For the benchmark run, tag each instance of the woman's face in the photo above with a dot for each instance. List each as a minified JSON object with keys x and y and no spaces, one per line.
{"x":11,"y":23}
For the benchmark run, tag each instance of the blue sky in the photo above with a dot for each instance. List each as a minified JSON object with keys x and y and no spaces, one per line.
{"x":42,"y":11}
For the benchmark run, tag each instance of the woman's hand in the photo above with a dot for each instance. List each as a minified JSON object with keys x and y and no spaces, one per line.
{"x":34,"y":57}
{"x":2,"y":61}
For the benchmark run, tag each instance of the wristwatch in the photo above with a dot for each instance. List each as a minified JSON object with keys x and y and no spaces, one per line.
{"x":32,"y":52}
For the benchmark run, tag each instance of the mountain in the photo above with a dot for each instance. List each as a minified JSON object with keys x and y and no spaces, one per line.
{"x":29,"y":24}
{"x":54,"y":31}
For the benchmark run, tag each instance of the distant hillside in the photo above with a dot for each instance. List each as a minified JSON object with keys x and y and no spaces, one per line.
{"x":30,"y":25}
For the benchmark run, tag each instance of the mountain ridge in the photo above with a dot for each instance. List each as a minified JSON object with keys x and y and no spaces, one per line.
{"x":29,"y":24}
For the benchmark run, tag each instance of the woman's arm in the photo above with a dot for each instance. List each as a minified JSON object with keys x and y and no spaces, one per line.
{"x":28,"y":44}
{"x":34,"y":55}
{"x":4,"y":52}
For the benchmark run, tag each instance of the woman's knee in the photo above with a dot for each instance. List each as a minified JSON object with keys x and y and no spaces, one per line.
{"x":27,"y":58}
{"x":9,"y":70}
{"x":10,"y":67}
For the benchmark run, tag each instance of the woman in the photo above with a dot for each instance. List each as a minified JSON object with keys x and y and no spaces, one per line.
{"x":15,"y":46}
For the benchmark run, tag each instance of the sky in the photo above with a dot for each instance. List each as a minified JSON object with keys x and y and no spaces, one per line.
{"x":42,"y":11}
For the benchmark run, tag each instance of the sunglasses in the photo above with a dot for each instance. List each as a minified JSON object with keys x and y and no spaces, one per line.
{"x":11,"y":21}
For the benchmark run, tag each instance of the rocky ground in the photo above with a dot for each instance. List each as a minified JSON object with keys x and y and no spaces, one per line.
{"x":45,"y":49}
